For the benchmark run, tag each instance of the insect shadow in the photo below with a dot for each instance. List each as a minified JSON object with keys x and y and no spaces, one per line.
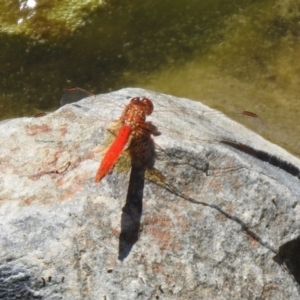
{"x":142,"y":152}
{"x":288,"y":258}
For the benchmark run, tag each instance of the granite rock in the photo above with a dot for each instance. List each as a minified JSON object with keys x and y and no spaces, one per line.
{"x":218,"y":217}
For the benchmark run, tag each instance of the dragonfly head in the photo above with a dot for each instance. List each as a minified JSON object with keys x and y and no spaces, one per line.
{"x":148,"y":105}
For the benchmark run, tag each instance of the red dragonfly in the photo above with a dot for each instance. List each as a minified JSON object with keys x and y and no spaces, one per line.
{"x":131,"y":123}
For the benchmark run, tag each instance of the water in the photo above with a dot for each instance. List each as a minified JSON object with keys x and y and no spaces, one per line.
{"x":241,"y":55}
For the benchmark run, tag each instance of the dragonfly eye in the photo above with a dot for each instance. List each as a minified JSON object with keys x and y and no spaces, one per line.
{"x":148,"y":105}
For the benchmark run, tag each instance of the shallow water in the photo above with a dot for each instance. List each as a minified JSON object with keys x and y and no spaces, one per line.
{"x":242,"y":55}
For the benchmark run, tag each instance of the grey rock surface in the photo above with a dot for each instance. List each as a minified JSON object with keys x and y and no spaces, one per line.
{"x":206,"y":224}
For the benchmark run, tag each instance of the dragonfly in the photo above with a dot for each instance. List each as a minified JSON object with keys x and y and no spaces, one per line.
{"x":133,"y":123}
{"x":130,"y":127}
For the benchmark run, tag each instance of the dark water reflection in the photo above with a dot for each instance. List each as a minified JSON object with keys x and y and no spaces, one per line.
{"x":233,"y":55}
{"x":116,"y":41}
